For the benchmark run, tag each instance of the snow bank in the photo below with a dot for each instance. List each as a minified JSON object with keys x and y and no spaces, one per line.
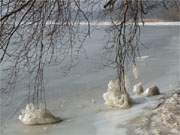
{"x":33,"y":115}
{"x":163,"y":120}
{"x":114,"y":98}
{"x":169,"y":112}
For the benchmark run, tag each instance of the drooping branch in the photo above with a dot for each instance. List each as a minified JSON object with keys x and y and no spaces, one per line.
{"x":35,"y":33}
{"x":126,"y":16}
{"x":126,"y":30}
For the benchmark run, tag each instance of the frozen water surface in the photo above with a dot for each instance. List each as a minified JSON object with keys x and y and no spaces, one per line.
{"x":77,"y":97}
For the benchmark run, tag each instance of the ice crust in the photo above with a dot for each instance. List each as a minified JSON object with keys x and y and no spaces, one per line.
{"x":114,"y":98}
{"x":33,"y":115}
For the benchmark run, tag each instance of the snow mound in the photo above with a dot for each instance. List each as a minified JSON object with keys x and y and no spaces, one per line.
{"x":163,"y":120}
{"x":33,"y":115}
{"x":152,"y":91}
{"x":138,"y":89}
{"x":114,"y":98}
{"x":169,"y":112}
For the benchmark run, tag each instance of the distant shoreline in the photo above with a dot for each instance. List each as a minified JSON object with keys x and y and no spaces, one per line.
{"x":108,"y":23}
{"x":147,"y":23}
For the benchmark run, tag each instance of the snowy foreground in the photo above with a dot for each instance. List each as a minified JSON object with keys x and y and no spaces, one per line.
{"x":77,"y":98}
{"x":164,"y":119}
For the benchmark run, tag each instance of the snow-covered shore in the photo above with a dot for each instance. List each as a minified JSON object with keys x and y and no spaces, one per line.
{"x":163,"y":119}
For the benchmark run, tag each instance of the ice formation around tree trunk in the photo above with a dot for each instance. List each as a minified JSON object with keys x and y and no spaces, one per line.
{"x":138,"y":89}
{"x":33,"y":115}
{"x":114,"y":98}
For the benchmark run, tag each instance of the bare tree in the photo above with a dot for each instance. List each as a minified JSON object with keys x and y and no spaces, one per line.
{"x":127,"y":17}
{"x":33,"y":33}
{"x":46,"y":28}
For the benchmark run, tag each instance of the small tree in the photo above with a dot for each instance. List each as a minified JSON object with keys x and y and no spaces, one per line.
{"x":127,"y":17}
{"x":35,"y":33}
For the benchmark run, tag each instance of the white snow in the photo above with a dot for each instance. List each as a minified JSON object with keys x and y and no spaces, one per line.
{"x":164,"y":119}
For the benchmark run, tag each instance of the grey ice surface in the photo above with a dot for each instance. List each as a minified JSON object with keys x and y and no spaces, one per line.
{"x":77,"y":97}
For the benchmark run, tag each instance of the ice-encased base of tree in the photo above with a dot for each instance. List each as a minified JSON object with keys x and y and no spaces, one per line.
{"x":138,"y":89}
{"x":33,"y":115}
{"x":114,"y":98}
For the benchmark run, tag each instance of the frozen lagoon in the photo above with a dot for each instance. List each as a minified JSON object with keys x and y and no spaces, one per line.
{"x":77,"y":97}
